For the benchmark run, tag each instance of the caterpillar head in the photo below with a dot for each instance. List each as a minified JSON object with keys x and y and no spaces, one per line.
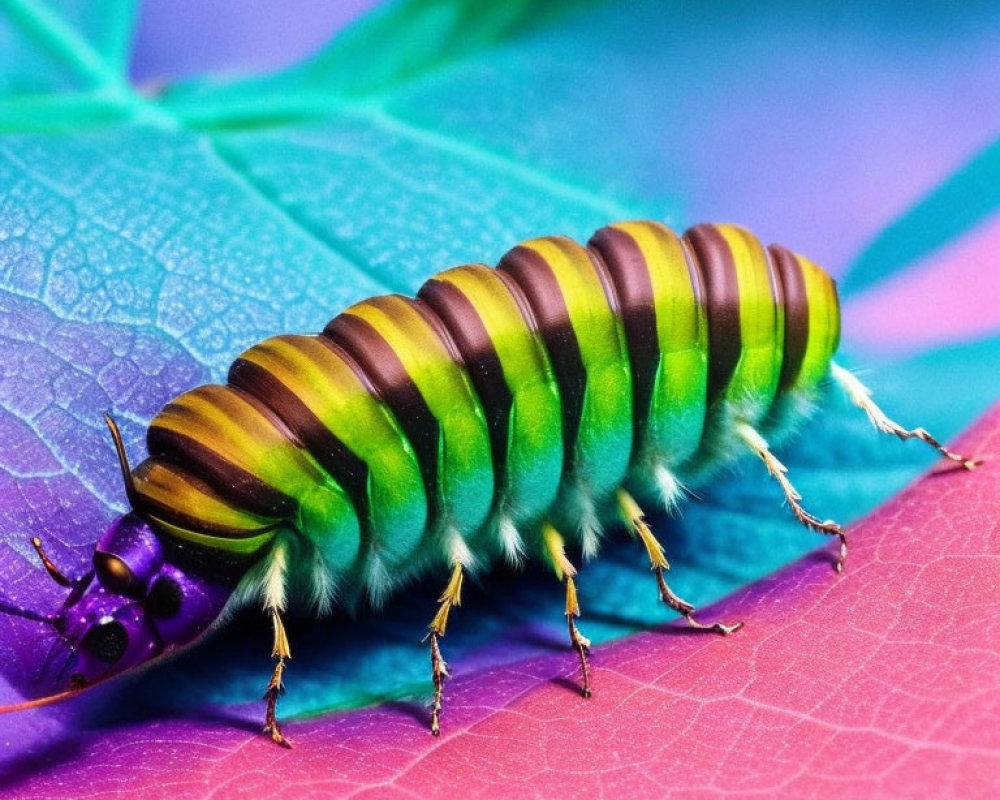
{"x":135,"y":604}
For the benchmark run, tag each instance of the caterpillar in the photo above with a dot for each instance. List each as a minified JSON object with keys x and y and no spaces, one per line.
{"x":501,"y":414}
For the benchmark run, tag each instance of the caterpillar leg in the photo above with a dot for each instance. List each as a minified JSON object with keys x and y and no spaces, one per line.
{"x":861,"y":396}
{"x":779,"y":472}
{"x":275,"y":686}
{"x":555,"y":550}
{"x":451,"y":596}
{"x":635,"y":519}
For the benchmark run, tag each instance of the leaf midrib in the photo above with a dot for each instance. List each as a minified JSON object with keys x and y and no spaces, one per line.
{"x":113,"y":93}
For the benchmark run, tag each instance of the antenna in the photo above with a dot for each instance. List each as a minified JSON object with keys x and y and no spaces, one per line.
{"x":116,"y":435}
{"x":20,"y":611}
{"x":50,"y":568}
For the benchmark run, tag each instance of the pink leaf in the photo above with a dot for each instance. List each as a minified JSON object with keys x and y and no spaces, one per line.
{"x":884,"y":682}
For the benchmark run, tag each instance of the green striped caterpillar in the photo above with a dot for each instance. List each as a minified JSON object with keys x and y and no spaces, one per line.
{"x":499,"y":414}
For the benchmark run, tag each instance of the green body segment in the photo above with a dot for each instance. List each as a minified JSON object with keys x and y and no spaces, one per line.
{"x":414,"y":430}
{"x":490,"y":321}
{"x":662,"y":305}
{"x":415,"y":367}
{"x":330,"y":409}
{"x":576,"y":311}
{"x":823,"y":326}
{"x":754,"y":383}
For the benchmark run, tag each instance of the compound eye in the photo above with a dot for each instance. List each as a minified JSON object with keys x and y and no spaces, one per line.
{"x":106,"y":642}
{"x":164,"y":599}
{"x":113,"y":573}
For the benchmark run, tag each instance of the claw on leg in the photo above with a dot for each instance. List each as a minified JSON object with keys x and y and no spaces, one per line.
{"x":555,"y":548}
{"x":275,"y":686}
{"x":861,"y":396}
{"x":451,"y":596}
{"x":779,"y":472}
{"x":636,"y":521}
{"x":579,"y":642}
{"x":439,"y":671}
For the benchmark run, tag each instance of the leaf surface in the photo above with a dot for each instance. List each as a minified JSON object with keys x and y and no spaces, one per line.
{"x":884,"y":682}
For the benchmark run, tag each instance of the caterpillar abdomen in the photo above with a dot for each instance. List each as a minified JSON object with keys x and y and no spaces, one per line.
{"x":454,"y":423}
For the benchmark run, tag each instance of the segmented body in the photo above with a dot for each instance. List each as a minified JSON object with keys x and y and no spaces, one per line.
{"x":449,"y":426}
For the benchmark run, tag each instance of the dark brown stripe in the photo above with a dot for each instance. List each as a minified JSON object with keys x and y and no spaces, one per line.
{"x":722,"y":302}
{"x":835,"y":310}
{"x":535,"y":278}
{"x":629,"y":272}
{"x":232,"y":483}
{"x":793,"y":284}
{"x":178,"y":517}
{"x":330,"y":452}
{"x":397,"y":390}
{"x":482,"y":362}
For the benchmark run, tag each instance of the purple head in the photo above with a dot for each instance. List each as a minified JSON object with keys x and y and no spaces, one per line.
{"x":141,"y":600}
{"x":136,"y":606}
{"x":133,"y":606}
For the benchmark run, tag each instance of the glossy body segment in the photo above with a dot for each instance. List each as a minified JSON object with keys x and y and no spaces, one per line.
{"x":813,"y":338}
{"x":319,"y":394}
{"x":250,"y":459}
{"x":185,"y":507}
{"x":663,"y":312}
{"x":496,"y":399}
{"x":492,"y":326}
{"x":746,"y":317}
{"x":574,"y":302}
{"x":412,"y":362}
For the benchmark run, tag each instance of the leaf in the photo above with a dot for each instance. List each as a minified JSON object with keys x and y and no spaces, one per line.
{"x":879,"y":683}
{"x":968,"y":197}
{"x":62,"y":47}
{"x":942,"y":303}
{"x":144,"y":240}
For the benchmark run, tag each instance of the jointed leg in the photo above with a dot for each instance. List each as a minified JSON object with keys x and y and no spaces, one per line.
{"x":452,"y":596}
{"x":282,"y":652}
{"x":861,"y":397}
{"x":636,"y":521}
{"x":779,"y":472}
{"x":271,"y":585}
{"x":555,"y":548}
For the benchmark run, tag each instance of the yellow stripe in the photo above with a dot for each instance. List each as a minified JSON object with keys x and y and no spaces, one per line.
{"x":824,"y":323}
{"x":328,"y":387}
{"x":222,"y":420}
{"x":441,"y":381}
{"x":516,"y":347}
{"x":166,"y":486}
{"x":762,"y":320}
{"x":596,"y":327}
{"x":680,"y":318}
{"x":247,"y":545}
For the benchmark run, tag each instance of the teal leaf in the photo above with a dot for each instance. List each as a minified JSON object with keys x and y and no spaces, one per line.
{"x":60,"y":47}
{"x":965,"y":199}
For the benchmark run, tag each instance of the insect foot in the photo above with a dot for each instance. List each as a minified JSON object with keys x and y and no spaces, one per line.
{"x":451,"y":596}
{"x":276,"y":686}
{"x":635,"y":520}
{"x":555,"y":551}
